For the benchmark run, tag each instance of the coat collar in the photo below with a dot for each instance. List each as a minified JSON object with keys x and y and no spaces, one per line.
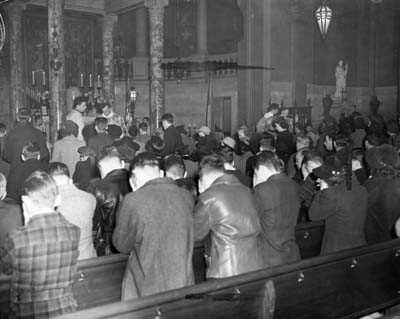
{"x":159,"y":181}
{"x":226,"y":179}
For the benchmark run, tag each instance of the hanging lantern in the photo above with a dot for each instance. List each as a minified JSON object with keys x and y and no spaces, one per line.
{"x":324,"y":16}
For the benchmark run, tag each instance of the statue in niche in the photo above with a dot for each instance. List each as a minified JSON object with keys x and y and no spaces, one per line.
{"x":341,"y":74}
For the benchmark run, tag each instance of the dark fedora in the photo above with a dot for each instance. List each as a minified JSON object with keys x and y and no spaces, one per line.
{"x":382,"y":156}
{"x":332,"y":166}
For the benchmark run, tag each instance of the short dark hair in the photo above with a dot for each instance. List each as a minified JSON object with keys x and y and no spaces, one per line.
{"x":175,"y":164}
{"x":373,"y":140}
{"x":273,"y":106}
{"x":268,"y":159}
{"x":101,"y":122}
{"x":144,"y":159}
{"x":108,"y":152}
{"x":211,"y":162}
{"x":78,"y":100}
{"x":227,"y":155}
{"x":3,"y":128}
{"x":168,"y":117}
{"x":41,"y":188}
{"x":143,"y":126}
{"x":57,"y":169}
{"x":30,"y":150}
{"x":312,"y":156}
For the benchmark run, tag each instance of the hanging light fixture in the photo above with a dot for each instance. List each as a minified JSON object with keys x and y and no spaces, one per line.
{"x":324,"y":16}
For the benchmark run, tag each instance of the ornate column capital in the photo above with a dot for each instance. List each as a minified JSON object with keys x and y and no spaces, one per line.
{"x":155,"y":3}
{"x":109,"y":18}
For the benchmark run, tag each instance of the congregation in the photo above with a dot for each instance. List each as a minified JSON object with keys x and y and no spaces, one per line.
{"x":104,"y":188}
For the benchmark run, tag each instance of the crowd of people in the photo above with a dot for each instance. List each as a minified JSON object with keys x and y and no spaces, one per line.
{"x":105,"y":188}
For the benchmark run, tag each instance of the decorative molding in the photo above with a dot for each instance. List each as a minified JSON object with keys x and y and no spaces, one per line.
{"x":155,"y":3}
{"x":89,"y":6}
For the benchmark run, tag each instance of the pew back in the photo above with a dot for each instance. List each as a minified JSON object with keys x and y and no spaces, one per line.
{"x":100,"y":278}
{"x":347,"y":284}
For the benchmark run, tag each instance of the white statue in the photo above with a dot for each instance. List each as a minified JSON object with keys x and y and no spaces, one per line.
{"x":341,"y":74}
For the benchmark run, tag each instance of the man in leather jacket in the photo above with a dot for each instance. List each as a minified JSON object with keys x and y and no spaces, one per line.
{"x":226,"y":211}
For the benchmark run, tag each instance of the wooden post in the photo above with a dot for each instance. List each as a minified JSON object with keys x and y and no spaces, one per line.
{"x":108,"y":27}
{"x":56,"y":66}
{"x":17,"y":98}
{"x":156,"y":14}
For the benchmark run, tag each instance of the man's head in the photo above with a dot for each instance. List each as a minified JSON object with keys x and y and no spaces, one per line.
{"x":3,"y":186}
{"x":267,"y":143}
{"x":227,"y":155}
{"x":60,"y":173}
{"x":69,"y":128}
{"x":3,"y":130}
{"x":273,"y":108}
{"x":284,"y":112}
{"x":167,"y":120}
{"x":174,"y":167}
{"x":39,"y":195}
{"x":267,"y":164}
{"x":302,"y":141}
{"x":23,"y":115}
{"x":100,"y":124}
{"x":106,"y":109}
{"x":143,"y":128}
{"x":144,"y":168}
{"x":108,"y":160}
{"x":211,"y":167}
{"x":30,"y":150}
{"x":372,"y":140}
{"x":311,"y":160}
{"x":79,"y":104}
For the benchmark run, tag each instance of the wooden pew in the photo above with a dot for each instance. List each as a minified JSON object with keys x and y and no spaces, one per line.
{"x":100,"y":278}
{"x":347,"y":284}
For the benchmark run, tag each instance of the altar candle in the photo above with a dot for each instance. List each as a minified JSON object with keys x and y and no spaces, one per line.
{"x":98,"y":81}
{"x":90,"y":80}
{"x":44,"y":78}
{"x":81,"y":79}
{"x":33,"y":78}
{"x":73,"y":95}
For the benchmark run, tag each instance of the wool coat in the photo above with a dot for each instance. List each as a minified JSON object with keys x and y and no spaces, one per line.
{"x":344,"y":212}
{"x":383,"y":208}
{"x":278,"y":205}
{"x":155,"y":226}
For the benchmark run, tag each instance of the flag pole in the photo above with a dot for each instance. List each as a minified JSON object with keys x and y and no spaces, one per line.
{"x":209,"y":99}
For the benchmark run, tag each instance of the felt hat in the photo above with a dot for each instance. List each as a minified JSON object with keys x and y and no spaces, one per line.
{"x":204,"y":129}
{"x":229,"y":142}
{"x":332,"y":166}
{"x":382,"y":156}
{"x":126,"y":140}
{"x":155,"y":144}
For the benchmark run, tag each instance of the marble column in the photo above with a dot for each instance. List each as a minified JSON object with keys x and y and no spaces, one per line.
{"x":201,"y":31}
{"x":108,"y":28}
{"x":156,"y":15}
{"x":57,"y":87}
{"x":374,"y":15}
{"x":141,"y":31}
{"x":17,"y":92}
{"x":254,"y":85}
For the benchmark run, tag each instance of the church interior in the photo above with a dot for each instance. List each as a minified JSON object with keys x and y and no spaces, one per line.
{"x":363,"y":33}
{"x":216,"y":69}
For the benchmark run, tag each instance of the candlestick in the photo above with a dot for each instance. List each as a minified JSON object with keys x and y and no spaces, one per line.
{"x":98,"y":81}
{"x":44,"y":78}
{"x":33,"y":78}
{"x":81,"y":79}
{"x":90,"y":80}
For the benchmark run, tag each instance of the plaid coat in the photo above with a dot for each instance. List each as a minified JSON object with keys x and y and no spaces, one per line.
{"x":41,"y":259}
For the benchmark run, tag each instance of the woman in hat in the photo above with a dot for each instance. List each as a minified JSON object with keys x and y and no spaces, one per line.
{"x":343,"y":210}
